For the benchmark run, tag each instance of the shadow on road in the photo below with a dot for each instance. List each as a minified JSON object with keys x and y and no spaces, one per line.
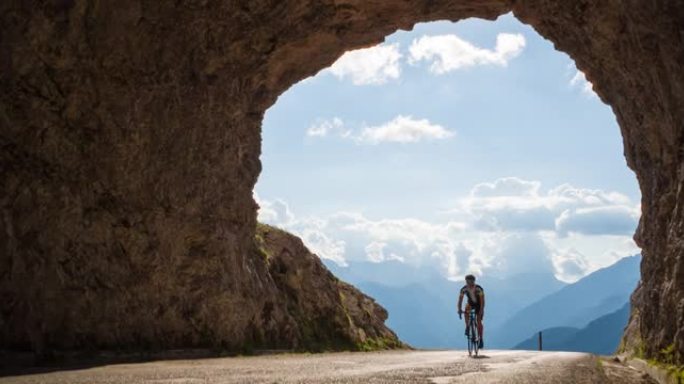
{"x":17,"y":364}
{"x":480,"y":357}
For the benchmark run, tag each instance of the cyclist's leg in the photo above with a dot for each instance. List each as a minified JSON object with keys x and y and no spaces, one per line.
{"x":466,"y":316}
{"x":480,"y":327}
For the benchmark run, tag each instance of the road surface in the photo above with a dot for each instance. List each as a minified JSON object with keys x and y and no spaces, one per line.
{"x":374,"y":367}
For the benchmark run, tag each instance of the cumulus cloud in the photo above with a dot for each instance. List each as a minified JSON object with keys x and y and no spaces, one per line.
{"x":323,"y":128}
{"x":607,"y":220}
{"x":514,"y":204}
{"x":324,"y":246}
{"x":516,"y":253}
{"x":514,"y":218}
{"x":461,"y":262}
{"x":401,"y":129}
{"x":375,"y":252}
{"x":447,"y":53}
{"x":344,"y":237}
{"x":410,"y":240}
{"x":273,"y":211}
{"x":570,"y":264}
{"x":504,"y":227}
{"x":444,"y":53}
{"x":374,"y":65}
{"x":579,"y":81}
{"x":506,"y":186}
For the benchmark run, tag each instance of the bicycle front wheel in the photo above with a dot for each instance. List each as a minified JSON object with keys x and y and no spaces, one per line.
{"x":474,"y":341}
{"x":476,"y":346}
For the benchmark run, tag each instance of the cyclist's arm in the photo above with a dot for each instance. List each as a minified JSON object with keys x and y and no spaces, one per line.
{"x":460,"y":301}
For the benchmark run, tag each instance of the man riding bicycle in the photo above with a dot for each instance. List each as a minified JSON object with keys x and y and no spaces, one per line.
{"x":476,"y":301}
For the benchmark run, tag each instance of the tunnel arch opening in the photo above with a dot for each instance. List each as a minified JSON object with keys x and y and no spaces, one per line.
{"x":300,"y":167}
{"x":594,"y":36}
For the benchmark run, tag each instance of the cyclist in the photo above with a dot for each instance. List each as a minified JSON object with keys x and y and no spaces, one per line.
{"x":476,"y":301}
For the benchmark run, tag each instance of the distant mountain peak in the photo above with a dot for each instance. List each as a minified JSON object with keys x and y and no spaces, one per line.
{"x":574,"y":305}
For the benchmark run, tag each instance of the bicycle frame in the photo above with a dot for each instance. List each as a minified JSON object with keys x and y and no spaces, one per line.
{"x":473,"y":336}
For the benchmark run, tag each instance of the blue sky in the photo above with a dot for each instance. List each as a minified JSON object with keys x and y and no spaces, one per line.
{"x":457,"y":144}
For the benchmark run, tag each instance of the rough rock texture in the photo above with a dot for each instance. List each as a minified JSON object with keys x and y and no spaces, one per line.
{"x":320,"y":312}
{"x":130,"y":145}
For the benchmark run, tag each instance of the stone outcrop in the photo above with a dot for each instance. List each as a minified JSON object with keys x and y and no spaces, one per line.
{"x":130,"y":146}
{"x":312,"y":309}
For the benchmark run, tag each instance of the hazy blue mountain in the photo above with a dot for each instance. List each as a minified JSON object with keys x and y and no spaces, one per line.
{"x":600,"y":293}
{"x":507,"y":296}
{"x":422,"y":303}
{"x":390,"y":273}
{"x":601,"y":336}
{"x":419,"y":316}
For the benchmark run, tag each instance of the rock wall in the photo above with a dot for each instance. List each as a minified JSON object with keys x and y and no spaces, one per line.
{"x":130,"y":145}
{"x":319,"y":311}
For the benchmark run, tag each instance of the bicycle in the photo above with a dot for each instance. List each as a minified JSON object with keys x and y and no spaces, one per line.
{"x":471,"y":334}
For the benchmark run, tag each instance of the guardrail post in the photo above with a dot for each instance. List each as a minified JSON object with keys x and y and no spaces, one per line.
{"x":540,"y":341}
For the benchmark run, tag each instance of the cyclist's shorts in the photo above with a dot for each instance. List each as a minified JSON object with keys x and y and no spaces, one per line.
{"x":476,"y":307}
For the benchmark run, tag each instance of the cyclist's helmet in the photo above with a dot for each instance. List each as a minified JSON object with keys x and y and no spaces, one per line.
{"x":470,"y":278}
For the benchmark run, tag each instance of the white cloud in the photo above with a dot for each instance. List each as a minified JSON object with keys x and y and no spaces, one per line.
{"x":516,"y":253}
{"x":401,"y":129}
{"x":322,"y":128}
{"x":275,"y":211}
{"x":374,"y":65}
{"x":514,"y":219}
{"x":344,"y":237}
{"x":570,"y":264}
{"x":608,"y":220}
{"x":404,"y":129}
{"x":445,"y":53}
{"x":565,"y":194}
{"x":461,"y":262}
{"x":448,"y":53}
{"x":591,"y":251}
{"x":324,"y":246}
{"x":506,"y":186}
{"x":374,"y":251}
{"x":579,"y":80}
{"x":565,"y":230}
{"x":515,"y":204}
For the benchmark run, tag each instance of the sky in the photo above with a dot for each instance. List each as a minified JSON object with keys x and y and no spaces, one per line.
{"x":474,"y":146}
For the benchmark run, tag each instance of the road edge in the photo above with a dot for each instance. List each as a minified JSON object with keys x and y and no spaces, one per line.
{"x":659,"y":374}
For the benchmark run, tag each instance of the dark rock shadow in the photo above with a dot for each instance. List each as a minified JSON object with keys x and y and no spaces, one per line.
{"x":19,"y":364}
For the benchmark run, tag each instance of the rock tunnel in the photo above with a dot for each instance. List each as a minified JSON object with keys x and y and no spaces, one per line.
{"x":130,"y":136}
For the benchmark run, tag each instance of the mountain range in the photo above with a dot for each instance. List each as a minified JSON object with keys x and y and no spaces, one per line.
{"x":576,"y":305}
{"x":601,"y":336}
{"x":422,"y":303}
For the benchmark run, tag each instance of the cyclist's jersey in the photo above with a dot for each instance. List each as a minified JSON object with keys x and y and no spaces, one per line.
{"x":475,"y":294}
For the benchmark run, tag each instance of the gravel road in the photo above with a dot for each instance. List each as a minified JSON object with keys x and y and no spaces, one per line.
{"x":374,"y":367}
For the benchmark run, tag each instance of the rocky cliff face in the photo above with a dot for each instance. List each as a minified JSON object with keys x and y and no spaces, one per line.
{"x":319,"y":311}
{"x":130,"y":146}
